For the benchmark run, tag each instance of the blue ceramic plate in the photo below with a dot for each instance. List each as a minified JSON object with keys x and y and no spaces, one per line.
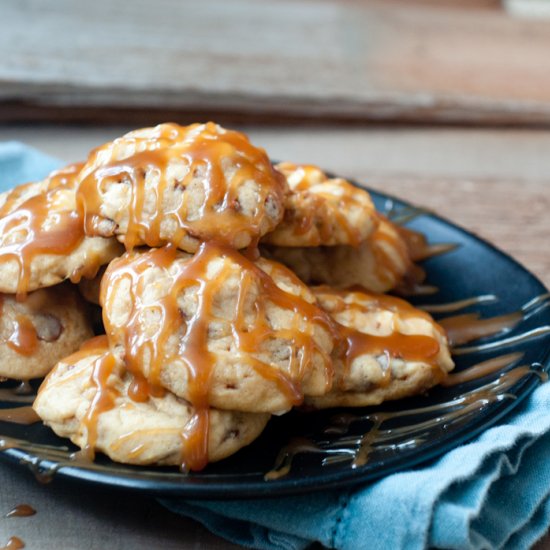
{"x":342,"y":447}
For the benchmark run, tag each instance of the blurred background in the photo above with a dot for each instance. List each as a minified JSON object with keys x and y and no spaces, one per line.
{"x":445,"y":103}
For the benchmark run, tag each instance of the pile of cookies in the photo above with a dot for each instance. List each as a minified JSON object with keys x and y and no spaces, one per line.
{"x":211,"y":323}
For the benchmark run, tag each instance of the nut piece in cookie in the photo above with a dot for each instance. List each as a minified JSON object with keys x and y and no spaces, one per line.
{"x":181,"y":185}
{"x":86,"y":398}
{"x":217,"y":328}
{"x":36,"y":333}
{"x":388,"y":349}
{"x":42,"y":239}
{"x":379,"y":263}
{"x":322,"y":211}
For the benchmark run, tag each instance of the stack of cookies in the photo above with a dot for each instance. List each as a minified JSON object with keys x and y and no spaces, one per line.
{"x":211,"y":323}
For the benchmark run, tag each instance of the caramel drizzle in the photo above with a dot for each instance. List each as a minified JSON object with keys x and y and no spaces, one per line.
{"x":354,"y":343}
{"x":482,"y":369}
{"x":459,"y":304}
{"x":21,"y":511}
{"x":192,"y":351}
{"x":468,"y":326}
{"x":39,"y":226}
{"x":19,"y":415}
{"x":23,"y":339}
{"x":103,"y":400}
{"x":203,"y":148}
{"x":14,"y":543}
{"x":337,"y":447}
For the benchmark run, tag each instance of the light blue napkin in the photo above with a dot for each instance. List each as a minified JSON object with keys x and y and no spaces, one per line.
{"x":20,"y":164}
{"x":490,"y":493}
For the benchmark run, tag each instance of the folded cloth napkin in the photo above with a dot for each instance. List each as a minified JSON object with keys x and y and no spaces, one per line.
{"x":490,"y":493}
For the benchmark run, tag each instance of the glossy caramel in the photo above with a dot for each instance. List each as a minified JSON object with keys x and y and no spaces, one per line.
{"x":42,"y":224}
{"x":204,"y":150}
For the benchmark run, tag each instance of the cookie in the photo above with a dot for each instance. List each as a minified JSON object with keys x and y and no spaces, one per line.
{"x":217,"y":328}
{"x":322,"y":211}
{"x":89,"y":288}
{"x":86,"y":398}
{"x":378,"y":264}
{"x":36,"y":333}
{"x":42,"y":240}
{"x":388,"y":349}
{"x":181,"y":185}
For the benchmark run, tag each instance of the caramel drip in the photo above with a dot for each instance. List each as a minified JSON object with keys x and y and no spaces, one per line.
{"x":415,"y":241}
{"x":249,"y":338}
{"x":467,"y":327}
{"x":23,"y":339}
{"x":481,"y":369}
{"x":417,"y":244}
{"x":415,"y":347}
{"x":19,"y":415}
{"x":458,"y":305}
{"x":204,"y":150}
{"x":15,"y":543}
{"x":104,"y":399}
{"x":337,"y":447}
{"x":11,"y":395}
{"x":39,"y":226}
{"x":21,"y":511}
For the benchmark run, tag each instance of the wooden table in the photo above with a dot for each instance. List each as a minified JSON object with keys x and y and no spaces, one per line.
{"x":495,"y":182}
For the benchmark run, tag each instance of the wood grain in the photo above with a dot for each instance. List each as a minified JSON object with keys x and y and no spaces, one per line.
{"x":352,"y":60}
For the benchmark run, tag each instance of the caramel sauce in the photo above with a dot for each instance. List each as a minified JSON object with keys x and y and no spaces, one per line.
{"x":467,"y":327}
{"x":458,"y":305}
{"x":19,"y":415}
{"x":481,"y":369}
{"x":23,"y":339}
{"x":338,"y":447}
{"x":355,"y":343}
{"x":204,"y":149}
{"x":40,"y":225}
{"x":15,"y":543}
{"x":104,"y":399}
{"x":11,"y":395}
{"x":21,"y":511}
{"x":193,"y":351}
{"x":401,"y":346}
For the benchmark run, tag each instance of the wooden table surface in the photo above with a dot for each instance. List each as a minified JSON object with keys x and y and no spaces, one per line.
{"x":495,"y":182}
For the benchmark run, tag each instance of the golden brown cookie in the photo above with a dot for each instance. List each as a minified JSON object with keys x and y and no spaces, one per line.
{"x":87,"y":399}
{"x":378,"y":264}
{"x":322,"y":211}
{"x":50,"y":324}
{"x":42,"y":239}
{"x":217,"y":328}
{"x":388,"y":349}
{"x":181,"y":185}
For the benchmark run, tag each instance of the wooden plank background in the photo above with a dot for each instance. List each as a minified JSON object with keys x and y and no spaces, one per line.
{"x":466,"y":62}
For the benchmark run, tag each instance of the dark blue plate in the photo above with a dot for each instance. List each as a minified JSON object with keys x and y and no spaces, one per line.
{"x":336,"y":448}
